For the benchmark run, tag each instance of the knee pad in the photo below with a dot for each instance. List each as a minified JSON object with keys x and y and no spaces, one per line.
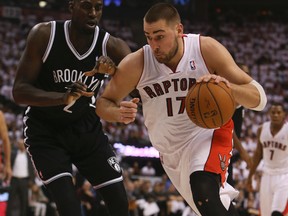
{"x":205,"y":188}
{"x":276,"y":213}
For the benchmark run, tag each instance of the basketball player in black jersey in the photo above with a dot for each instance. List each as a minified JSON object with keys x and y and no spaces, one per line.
{"x":60,"y":124}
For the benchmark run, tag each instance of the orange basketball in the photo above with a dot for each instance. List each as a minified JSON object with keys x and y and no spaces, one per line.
{"x":210,"y":105}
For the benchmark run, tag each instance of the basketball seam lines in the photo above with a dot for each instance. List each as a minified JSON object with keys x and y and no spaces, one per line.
{"x":207,"y":84}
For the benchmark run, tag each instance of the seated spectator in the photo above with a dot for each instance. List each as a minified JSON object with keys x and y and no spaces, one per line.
{"x":161,"y":196}
{"x":37,"y":200}
{"x":135,"y":169}
{"x":148,"y":169}
{"x":90,"y":202}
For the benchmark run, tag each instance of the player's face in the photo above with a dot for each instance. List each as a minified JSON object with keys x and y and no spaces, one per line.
{"x":163,"y":40}
{"x":86,"y":14}
{"x":277,"y":114}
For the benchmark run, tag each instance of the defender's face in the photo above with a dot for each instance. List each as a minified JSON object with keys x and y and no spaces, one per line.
{"x":86,"y":14}
{"x":163,"y":40}
{"x":277,"y":114}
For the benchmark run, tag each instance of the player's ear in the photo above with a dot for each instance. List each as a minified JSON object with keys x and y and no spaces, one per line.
{"x":179,"y":29}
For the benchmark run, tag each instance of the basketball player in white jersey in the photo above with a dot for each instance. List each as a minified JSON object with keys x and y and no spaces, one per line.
{"x":272,"y":147}
{"x":195,"y":159}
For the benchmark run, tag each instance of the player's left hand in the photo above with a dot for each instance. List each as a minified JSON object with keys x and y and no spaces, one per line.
{"x":216,"y":78}
{"x":104,"y":65}
{"x":128,"y":110}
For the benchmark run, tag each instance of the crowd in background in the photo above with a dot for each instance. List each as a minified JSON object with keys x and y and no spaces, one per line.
{"x":260,"y":44}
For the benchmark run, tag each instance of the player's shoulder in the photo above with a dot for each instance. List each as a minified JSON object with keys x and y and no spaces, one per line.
{"x":41,"y":28}
{"x":117,"y":48}
{"x":135,"y":58}
{"x":262,"y":126}
{"x":208,"y":43}
{"x":39,"y":34}
{"x":115,"y":42}
{"x":285,"y":125}
{"x":207,"y":39}
{"x":259,"y":130}
{"x":133,"y":62}
{"x":40,"y":31}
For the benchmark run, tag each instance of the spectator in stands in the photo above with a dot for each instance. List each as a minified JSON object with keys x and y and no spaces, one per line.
{"x":148,"y":169}
{"x":37,"y":200}
{"x":161,"y":197}
{"x":135,"y":169}
{"x":89,"y":202}
{"x":22,"y":178}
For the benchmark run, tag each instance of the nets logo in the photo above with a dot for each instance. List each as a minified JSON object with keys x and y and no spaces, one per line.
{"x":112,"y":161}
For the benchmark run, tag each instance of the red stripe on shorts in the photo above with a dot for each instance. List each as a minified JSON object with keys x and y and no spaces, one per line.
{"x":285,"y":212}
{"x":220,"y":152}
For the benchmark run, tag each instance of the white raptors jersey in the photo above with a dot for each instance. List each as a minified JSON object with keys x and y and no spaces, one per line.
{"x":163,"y":93}
{"x":275,"y":149}
{"x":184,"y":147}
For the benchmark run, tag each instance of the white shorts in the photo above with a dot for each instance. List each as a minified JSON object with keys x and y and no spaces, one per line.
{"x":273,"y":193}
{"x":181,"y":164}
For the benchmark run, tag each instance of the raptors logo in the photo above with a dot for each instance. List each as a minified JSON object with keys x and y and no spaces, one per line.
{"x":112,"y":161}
{"x":222,"y":162}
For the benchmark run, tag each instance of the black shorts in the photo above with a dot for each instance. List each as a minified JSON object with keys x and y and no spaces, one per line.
{"x":83,"y":144}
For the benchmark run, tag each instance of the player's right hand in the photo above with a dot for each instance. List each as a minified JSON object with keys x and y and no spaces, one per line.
{"x":75,"y":91}
{"x":104,"y":65}
{"x":216,"y":78}
{"x":128,"y":110}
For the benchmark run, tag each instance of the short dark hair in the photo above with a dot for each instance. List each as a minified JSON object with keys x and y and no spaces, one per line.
{"x":277,"y":104}
{"x":163,"y":11}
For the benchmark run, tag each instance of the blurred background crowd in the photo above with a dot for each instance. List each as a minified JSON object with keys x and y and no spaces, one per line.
{"x":256,"y":34}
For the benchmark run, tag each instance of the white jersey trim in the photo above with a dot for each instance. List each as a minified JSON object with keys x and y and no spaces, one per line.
{"x":104,"y":44}
{"x":108,"y":183}
{"x":201,"y":56}
{"x":72,"y":48}
{"x":57,"y":177}
{"x":51,"y":40}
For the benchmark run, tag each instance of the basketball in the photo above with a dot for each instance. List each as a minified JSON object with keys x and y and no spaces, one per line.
{"x":210,"y":105}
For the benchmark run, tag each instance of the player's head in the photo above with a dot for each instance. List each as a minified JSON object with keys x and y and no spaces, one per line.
{"x":86,"y":14}
{"x":277,"y":113}
{"x":163,"y":30}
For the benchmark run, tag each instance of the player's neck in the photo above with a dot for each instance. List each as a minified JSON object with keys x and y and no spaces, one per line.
{"x":80,"y":40}
{"x":275,"y":128}
{"x":173,"y":63}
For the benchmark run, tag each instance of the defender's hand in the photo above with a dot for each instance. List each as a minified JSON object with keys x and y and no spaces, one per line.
{"x":75,"y":91}
{"x":104,"y":65}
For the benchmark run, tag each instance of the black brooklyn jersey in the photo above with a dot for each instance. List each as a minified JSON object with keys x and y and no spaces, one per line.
{"x":63,"y":65}
{"x":238,"y":119}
